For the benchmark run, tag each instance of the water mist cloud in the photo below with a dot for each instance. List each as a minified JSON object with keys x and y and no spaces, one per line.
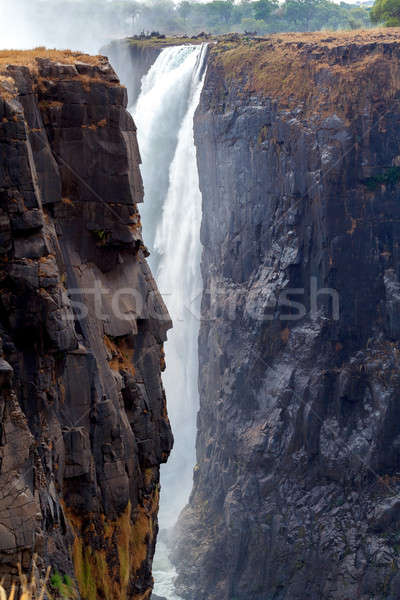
{"x":83,"y":25}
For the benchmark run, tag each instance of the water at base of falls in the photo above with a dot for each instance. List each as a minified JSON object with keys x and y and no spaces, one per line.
{"x":164,"y":573}
{"x":171,"y":217}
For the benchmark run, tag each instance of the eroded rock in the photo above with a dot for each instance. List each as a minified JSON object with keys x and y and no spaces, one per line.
{"x":79,"y":449}
{"x":296,"y":488}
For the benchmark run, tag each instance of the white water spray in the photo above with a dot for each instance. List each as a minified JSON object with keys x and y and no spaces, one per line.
{"x":83,"y":25}
{"x":171,"y":226}
{"x":167,"y":90}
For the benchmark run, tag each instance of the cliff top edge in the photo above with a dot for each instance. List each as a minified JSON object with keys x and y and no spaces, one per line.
{"x":51,"y":64}
{"x":309,"y":69}
{"x":29,"y":58}
{"x":324,"y":38}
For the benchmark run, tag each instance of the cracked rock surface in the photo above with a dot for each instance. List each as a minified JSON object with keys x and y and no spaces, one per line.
{"x":83,"y":420}
{"x":296,"y":491}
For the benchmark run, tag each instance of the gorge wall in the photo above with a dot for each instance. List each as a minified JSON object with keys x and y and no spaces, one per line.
{"x":296,"y":488}
{"x":83,"y":420}
{"x":132,"y":60}
{"x":297,"y":481}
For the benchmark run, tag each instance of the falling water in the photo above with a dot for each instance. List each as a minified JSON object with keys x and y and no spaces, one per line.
{"x":168,"y":90}
{"x":171,"y":218}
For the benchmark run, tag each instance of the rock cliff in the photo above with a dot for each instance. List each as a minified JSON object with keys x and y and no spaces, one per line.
{"x":132,"y":61}
{"x":297,"y":486}
{"x":83,"y":420}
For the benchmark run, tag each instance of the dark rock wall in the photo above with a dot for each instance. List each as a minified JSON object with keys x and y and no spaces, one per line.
{"x":296,"y":492}
{"x":83,"y":421}
{"x":132,"y":61}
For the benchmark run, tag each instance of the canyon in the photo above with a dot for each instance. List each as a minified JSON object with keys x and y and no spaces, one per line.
{"x":295,"y":489}
{"x":296,"y":482}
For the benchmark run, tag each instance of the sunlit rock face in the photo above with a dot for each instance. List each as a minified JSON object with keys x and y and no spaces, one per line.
{"x":296,"y":487}
{"x":83,"y":420}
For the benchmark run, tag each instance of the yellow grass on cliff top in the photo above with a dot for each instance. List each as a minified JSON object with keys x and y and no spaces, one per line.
{"x":326,"y":38}
{"x":338,"y":38}
{"x":28,"y":57}
{"x":289,"y":66}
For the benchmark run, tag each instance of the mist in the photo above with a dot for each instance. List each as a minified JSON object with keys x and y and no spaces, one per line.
{"x":75,"y":24}
{"x":88,"y":25}
{"x":83,"y":25}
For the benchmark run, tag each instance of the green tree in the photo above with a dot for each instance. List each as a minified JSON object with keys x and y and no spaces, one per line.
{"x":263,"y":8}
{"x":220,"y":10}
{"x":386,"y":12}
{"x":184,"y":10}
{"x":301,"y":12}
{"x":358,"y":17}
{"x":250,"y":24}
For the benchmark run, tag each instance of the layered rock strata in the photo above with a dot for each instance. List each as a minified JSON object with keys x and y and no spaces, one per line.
{"x":83,"y":419}
{"x":296,"y":491}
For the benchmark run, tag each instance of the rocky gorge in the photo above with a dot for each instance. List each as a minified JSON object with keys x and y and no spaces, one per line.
{"x":295,"y":489}
{"x":296,"y":486}
{"x":83,"y":419}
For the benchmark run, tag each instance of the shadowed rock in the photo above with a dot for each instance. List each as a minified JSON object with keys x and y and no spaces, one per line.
{"x":297,"y":483}
{"x":83,"y":422}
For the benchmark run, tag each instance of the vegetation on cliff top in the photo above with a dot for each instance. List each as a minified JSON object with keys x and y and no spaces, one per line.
{"x":161,"y":41}
{"x":106,"y":19}
{"x":270,"y":16}
{"x":386,"y":12}
{"x":290,"y":67}
{"x":28,"y":57}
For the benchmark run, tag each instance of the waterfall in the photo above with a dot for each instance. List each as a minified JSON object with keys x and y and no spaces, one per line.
{"x":171,"y":217}
{"x":168,"y":96}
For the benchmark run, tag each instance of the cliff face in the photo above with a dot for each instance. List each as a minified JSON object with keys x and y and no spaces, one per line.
{"x":83,"y":421}
{"x":296,"y":490}
{"x":132,"y":61}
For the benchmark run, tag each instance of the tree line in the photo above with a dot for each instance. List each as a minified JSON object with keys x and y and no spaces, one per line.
{"x":261,"y":16}
{"x":120,"y":18}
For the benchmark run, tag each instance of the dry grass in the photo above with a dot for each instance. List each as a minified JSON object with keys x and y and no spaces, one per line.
{"x":45,"y":104}
{"x":29,"y":589}
{"x":106,"y":571}
{"x":7,"y":87}
{"x":291,"y":68}
{"x":163,"y":42}
{"x":28,"y":57}
{"x":320,"y":39}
